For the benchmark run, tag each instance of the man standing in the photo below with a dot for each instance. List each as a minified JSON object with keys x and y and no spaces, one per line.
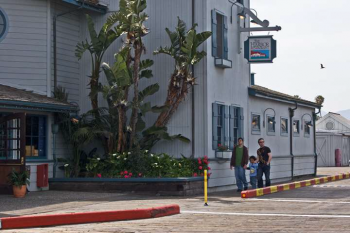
{"x":239,"y":161}
{"x":264,"y":159}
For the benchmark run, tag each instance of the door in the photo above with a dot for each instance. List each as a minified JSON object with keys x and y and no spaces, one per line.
{"x":12,"y":147}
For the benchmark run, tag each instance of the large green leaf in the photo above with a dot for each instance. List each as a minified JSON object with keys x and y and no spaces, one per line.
{"x":201,"y":37}
{"x":159,"y":109}
{"x":145,"y":64}
{"x":146,"y":74}
{"x":146,"y":107}
{"x":150,"y":90}
{"x":140,"y":125}
{"x":96,"y":43}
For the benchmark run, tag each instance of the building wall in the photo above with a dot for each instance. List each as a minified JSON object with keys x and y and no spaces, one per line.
{"x":23,"y":53}
{"x":338,"y":126}
{"x":226,"y":86}
{"x":303,"y":147}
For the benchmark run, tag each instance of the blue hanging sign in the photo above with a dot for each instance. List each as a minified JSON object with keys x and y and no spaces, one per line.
{"x":260,"y":49}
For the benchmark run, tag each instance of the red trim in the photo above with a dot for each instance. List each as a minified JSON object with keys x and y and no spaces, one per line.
{"x":90,"y":217}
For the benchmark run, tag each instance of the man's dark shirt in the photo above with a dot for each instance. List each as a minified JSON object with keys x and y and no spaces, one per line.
{"x":263,"y":155}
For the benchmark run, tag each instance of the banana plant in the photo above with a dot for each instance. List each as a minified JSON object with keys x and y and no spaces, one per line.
{"x":184,"y":50}
{"x":97,"y":47}
{"x":131,"y":17}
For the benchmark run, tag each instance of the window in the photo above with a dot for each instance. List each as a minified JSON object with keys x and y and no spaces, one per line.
{"x":36,"y":136}
{"x":271,"y":125}
{"x":220,"y":123}
{"x":296,"y":127}
{"x":3,"y":24}
{"x":220,"y":40}
{"x":256,"y":124}
{"x":240,"y":1}
{"x":236,"y":125}
{"x":284,"y":126}
{"x":307,"y":128}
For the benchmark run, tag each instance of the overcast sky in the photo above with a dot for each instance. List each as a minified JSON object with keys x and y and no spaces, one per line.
{"x":313,"y":32}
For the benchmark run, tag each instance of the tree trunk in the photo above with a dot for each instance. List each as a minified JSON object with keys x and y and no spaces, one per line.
{"x":174,"y":97}
{"x":121,"y":121}
{"x":94,"y":85}
{"x":134,"y":115}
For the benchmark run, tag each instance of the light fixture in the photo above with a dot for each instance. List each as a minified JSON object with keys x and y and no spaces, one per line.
{"x":308,"y":124}
{"x":274,"y":115}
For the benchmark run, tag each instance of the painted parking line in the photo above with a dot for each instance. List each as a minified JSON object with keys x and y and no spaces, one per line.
{"x":262,"y":214}
{"x":303,"y":201}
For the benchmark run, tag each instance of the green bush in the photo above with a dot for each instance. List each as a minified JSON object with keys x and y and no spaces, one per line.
{"x":126,"y":165}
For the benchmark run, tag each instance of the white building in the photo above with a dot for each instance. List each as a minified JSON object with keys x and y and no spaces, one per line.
{"x":225,"y":104}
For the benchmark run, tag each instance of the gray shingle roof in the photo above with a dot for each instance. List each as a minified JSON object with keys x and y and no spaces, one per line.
{"x":15,"y":96}
{"x":279,"y":95}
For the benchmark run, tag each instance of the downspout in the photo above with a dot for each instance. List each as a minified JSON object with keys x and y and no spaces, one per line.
{"x":193,"y":95}
{"x":315,"y":148}
{"x":291,"y":115}
{"x":55,"y":42}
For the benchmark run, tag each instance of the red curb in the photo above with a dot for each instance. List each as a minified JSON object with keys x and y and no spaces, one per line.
{"x":294,"y":185}
{"x":90,"y":217}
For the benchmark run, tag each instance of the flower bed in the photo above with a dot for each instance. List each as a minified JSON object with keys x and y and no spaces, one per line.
{"x":143,"y":165}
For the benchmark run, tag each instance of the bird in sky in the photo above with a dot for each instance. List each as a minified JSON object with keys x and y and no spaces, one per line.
{"x":322,"y":67}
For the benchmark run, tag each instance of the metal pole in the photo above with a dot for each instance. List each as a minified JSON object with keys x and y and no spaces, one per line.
{"x":205,"y":188}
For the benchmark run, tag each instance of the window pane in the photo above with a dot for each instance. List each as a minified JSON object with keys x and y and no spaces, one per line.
{"x":220,"y":37}
{"x":14,"y":155}
{"x":28,"y":126}
{"x":296,"y":127}
{"x":284,"y":125}
{"x":35,"y":126}
{"x":256,"y":123}
{"x":271,"y":124}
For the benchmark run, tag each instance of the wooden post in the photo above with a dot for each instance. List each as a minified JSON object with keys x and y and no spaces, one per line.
{"x":205,"y":188}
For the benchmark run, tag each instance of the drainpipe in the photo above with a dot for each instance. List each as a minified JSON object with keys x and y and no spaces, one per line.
{"x":291,"y":115}
{"x":55,"y":42}
{"x":315,"y":148}
{"x":193,"y":95}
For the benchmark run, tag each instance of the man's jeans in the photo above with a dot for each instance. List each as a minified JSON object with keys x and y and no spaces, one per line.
{"x":240,"y":177}
{"x":263,"y":169}
{"x":253,"y":181}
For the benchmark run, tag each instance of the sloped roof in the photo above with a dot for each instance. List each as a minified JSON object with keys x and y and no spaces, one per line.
{"x":20,"y":98}
{"x":256,"y":89}
{"x":337,"y":117}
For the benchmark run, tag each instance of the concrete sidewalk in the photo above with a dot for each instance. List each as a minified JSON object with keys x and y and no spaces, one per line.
{"x":309,"y":209}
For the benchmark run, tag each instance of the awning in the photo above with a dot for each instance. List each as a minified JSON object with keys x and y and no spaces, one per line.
{"x":15,"y":98}
{"x":88,"y":5}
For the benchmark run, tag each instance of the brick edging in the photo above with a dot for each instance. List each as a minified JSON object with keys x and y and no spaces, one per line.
{"x":88,"y":217}
{"x":294,"y":185}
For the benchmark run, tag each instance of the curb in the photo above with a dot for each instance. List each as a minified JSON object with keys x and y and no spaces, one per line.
{"x":294,"y":185}
{"x":89,"y":217}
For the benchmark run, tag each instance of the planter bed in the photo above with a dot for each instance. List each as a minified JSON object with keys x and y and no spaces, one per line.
{"x":186,"y":186}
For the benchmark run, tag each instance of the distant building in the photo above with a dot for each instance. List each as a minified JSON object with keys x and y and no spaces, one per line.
{"x":333,"y":122}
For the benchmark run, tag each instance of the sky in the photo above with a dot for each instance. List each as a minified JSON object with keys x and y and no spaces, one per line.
{"x":313,"y":32}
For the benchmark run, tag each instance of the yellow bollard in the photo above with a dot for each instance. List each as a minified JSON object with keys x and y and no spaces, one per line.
{"x":205,"y":188}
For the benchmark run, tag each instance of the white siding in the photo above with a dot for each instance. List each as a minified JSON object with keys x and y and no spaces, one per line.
{"x":68,"y":35}
{"x":23,"y":57}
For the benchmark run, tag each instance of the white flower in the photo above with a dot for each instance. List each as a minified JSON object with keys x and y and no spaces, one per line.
{"x":125,"y":158}
{"x":179,"y":164}
{"x":114,"y":155}
{"x":118,"y":157}
{"x":128,"y":128}
{"x":151,"y":155}
{"x":155,"y":163}
{"x":157,"y":157}
{"x":98,"y":159}
{"x":129,"y":153}
{"x":66,"y":165}
{"x":146,"y":151}
{"x":123,"y":102}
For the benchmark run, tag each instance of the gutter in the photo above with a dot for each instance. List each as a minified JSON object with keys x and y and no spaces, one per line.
{"x":291,"y":115}
{"x":36,"y":106}
{"x":193,"y":112}
{"x":315,"y":145}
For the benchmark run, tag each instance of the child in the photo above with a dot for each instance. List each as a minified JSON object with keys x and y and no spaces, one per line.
{"x":253,"y":167}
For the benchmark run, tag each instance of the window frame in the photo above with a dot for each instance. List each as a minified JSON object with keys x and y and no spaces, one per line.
{"x":236,"y":125}
{"x":6,"y":24}
{"x":222,"y":61}
{"x":224,"y":127}
{"x":255,"y":132}
{"x":298,"y":133}
{"x":284,"y":134}
{"x":307,"y":135}
{"x":45,"y":138}
{"x":268,"y":132}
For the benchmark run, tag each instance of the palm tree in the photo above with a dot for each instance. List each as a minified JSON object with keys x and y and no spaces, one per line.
{"x":97,"y":47}
{"x":319,"y":99}
{"x":184,"y":46}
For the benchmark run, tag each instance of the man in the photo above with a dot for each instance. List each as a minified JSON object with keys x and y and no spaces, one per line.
{"x":264,"y":159}
{"x":239,"y":161}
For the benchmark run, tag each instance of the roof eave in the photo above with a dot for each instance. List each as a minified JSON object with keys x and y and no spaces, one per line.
{"x":101,"y":10}
{"x":42,"y":107}
{"x":256,"y":93}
